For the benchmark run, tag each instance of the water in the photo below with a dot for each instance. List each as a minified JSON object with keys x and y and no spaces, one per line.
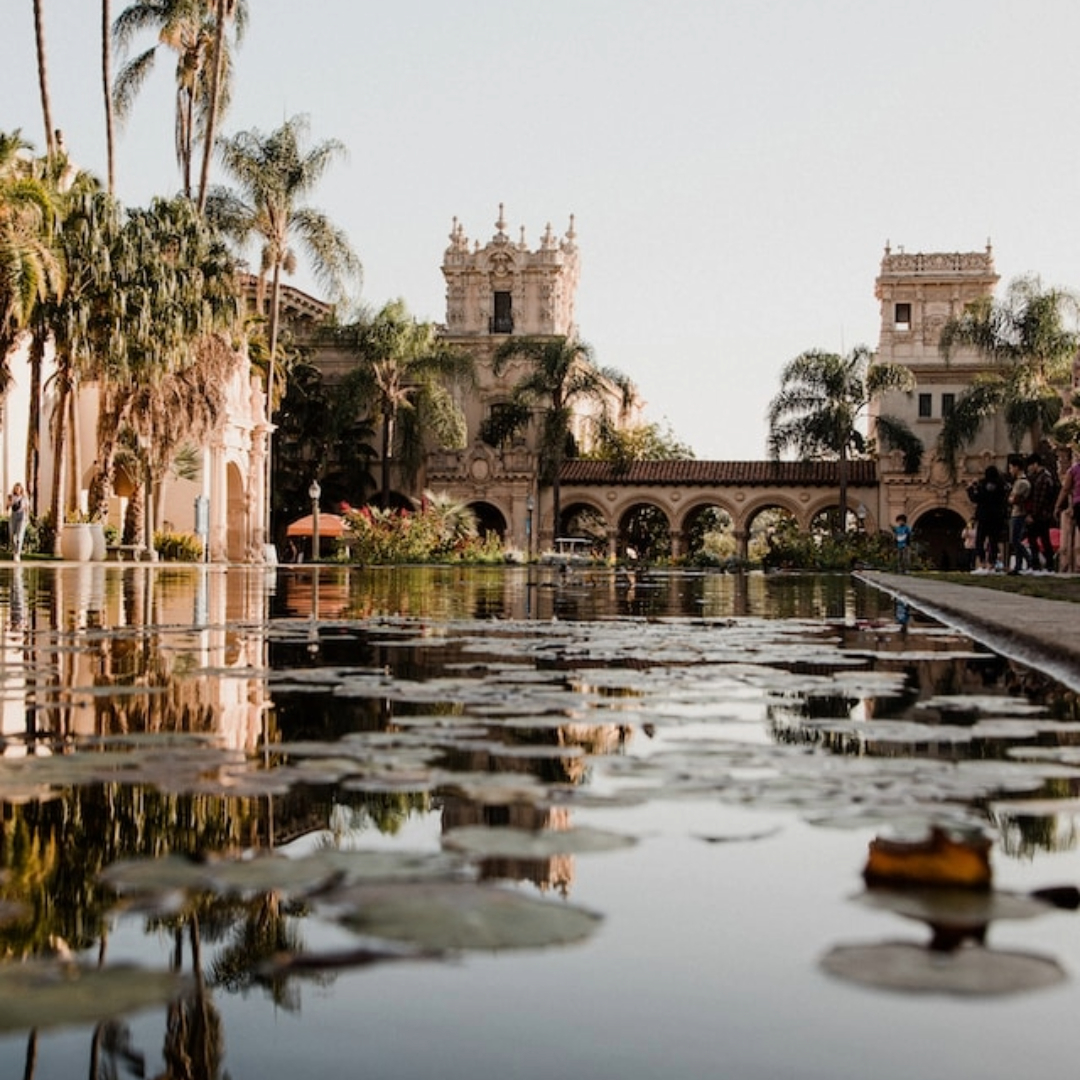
{"x":537,"y":824}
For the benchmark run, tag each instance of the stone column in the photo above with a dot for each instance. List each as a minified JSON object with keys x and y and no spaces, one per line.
{"x":742,"y":544}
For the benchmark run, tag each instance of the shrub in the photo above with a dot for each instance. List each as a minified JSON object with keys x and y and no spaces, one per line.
{"x":437,"y":531}
{"x":178,"y":547}
{"x":791,"y":549}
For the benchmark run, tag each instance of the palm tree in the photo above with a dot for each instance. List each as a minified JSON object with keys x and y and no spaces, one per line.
{"x":194,"y":31}
{"x":561,"y":371}
{"x":161,"y":366}
{"x":106,"y":87}
{"x":88,"y":230}
{"x":408,"y":376}
{"x":33,"y":195}
{"x":220,"y":57}
{"x":30,"y":268}
{"x":1030,"y":340}
{"x":823,"y":397}
{"x":43,"y":79}
{"x":323,"y":431}
{"x":274,"y":174}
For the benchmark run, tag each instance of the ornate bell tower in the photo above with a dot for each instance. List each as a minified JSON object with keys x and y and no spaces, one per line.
{"x":504,"y":288}
{"x":495,"y":291}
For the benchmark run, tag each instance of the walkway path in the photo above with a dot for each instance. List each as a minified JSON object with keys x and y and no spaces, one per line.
{"x":1044,"y":634}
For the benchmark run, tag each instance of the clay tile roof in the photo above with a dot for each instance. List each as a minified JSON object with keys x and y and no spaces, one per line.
{"x":718,"y":473}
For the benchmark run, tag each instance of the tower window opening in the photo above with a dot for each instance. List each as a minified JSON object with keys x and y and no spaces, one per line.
{"x":902,"y":317}
{"x":503,"y":321}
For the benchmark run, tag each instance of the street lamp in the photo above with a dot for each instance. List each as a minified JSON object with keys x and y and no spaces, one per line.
{"x":314,"y":491}
{"x":529,"y":507}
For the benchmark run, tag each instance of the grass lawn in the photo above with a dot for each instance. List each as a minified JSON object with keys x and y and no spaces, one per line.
{"x":1048,"y":587}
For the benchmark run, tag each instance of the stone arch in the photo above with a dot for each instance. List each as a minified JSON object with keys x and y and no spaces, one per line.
{"x":489,"y":519}
{"x":754,"y":536}
{"x":937,"y":531}
{"x":236,"y":514}
{"x":645,"y":527}
{"x":690,"y":526}
{"x":584,"y":517}
{"x":772,"y":500}
{"x":856,"y":499}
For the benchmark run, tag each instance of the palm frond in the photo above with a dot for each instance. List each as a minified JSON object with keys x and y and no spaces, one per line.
{"x":894,"y":434}
{"x":962,"y":425}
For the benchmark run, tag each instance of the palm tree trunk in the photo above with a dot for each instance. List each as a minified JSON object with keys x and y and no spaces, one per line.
{"x":211,"y":119}
{"x":841,"y":526}
{"x":556,"y":506}
{"x":187,"y":148}
{"x":33,"y":426}
{"x":387,"y":442}
{"x":59,"y":450}
{"x":75,"y":472}
{"x":101,"y":484}
{"x":271,"y":363}
{"x":134,"y":518}
{"x":106,"y":86}
{"x":43,"y":81}
{"x":30,"y":1067}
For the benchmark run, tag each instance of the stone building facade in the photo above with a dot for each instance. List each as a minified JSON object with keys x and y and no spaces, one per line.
{"x":495,"y":291}
{"x":918,"y":294}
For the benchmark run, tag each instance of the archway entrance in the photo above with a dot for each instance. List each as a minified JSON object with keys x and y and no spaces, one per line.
{"x":645,"y":533}
{"x":489,"y":519}
{"x":938,"y":539}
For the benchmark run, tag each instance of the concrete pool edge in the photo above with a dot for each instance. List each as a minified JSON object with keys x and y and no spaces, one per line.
{"x":1037,"y":632}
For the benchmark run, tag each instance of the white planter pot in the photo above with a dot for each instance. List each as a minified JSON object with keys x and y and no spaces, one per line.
{"x":97,"y":536}
{"x":76,"y":543}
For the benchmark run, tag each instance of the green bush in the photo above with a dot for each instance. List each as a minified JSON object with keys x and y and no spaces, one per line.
{"x":178,"y":547}
{"x":436,"y":531}
{"x":794,"y":550}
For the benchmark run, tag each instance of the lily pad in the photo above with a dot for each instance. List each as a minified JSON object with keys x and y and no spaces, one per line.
{"x":958,"y":908}
{"x":512,"y":843}
{"x":53,"y":994}
{"x":973,"y":971}
{"x":461,"y":917}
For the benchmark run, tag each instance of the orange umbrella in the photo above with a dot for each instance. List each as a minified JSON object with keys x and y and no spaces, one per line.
{"x":329,"y":525}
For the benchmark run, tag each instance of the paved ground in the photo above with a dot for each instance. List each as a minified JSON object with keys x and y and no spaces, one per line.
{"x":1042,"y":633}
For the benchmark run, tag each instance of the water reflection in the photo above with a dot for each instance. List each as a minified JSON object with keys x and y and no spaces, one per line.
{"x":194,"y":725}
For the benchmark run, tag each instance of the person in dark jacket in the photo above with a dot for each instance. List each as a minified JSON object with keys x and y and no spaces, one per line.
{"x":989,"y":496}
{"x":1041,"y":515}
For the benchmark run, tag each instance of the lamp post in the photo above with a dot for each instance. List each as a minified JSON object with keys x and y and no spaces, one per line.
{"x":314,"y":491}
{"x":529,"y":507}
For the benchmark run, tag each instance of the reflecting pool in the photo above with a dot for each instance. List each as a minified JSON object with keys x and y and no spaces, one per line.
{"x":514,"y":822}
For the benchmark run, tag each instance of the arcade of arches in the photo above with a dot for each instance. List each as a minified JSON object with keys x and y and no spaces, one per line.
{"x":663,"y":509}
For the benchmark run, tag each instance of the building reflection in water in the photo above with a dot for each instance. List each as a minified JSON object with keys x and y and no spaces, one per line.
{"x":93,"y":650}
{"x":462,"y":674}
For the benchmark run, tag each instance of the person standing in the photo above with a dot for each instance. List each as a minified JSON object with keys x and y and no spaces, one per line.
{"x":16,"y":505}
{"x":1041,"y":514}
{"x":902,"y":533}
{"x":1068,"y":502}
{"x":969,"y":535}
{"x":988,"y":495}
{"x":1019,"y":498}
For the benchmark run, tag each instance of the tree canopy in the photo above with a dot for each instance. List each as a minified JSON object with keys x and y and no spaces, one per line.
{"x":823,"y":399}
{"x":1029,"y":340}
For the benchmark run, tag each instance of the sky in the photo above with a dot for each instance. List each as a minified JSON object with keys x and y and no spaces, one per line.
{"x":735,"y":168}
